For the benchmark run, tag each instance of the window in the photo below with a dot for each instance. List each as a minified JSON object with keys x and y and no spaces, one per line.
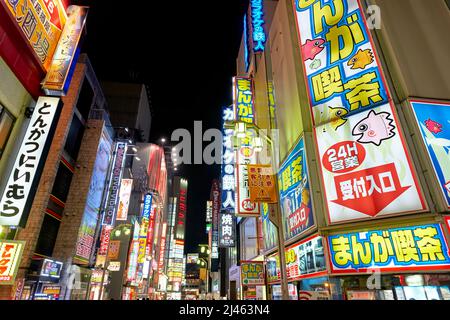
{"x":74,"y":138}
{"x":62,"y":182}
{"x":47,"y":236}
{"x":85,"y":99}
{"x":6,"y":125}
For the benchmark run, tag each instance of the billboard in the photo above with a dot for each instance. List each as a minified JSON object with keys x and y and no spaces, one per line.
{"x":114,"y":183}
{"x":294,"y":193}
{"x":10,"y":255}
{"x":18,"y":195}
{"x":303,"y":260}
{"x":41,"y":22}
{"x":433,"y":119}
{"x":409,"y":248}
{"x":228,"y":164}
{"x":269,"y":229}
{"x":192,"y":258}
{"x":64,"y":59}
{"x":91,"y":214}
{"x":252,"y":273}
{"x":227,"y":230}
{"x":124,"y":199}
{"x":366,"y":170}
{"x":51,"y":269}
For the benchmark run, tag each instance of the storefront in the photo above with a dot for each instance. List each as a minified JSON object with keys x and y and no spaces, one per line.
{"x":43,"y":281}
{"x":400,"y":263}
{"x":305,"y":268}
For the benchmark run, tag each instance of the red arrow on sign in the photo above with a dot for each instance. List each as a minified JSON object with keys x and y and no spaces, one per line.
{"x":54,"y":9}
{"x":369,"y":191}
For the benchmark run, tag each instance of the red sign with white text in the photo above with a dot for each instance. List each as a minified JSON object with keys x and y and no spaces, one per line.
{"x":369,"y":191}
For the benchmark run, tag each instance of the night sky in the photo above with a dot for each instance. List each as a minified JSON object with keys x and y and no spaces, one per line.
{"x":185,"y":51}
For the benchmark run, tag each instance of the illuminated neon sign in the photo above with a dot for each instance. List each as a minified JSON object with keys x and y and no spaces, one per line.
{"x":408,"y":248}
{"x":258,"y":34}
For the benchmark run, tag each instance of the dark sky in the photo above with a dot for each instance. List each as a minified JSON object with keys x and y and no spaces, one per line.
{"x":185,"y":51}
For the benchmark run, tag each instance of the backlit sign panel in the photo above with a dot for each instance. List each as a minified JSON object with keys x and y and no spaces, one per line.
{"x":10,"y":255}
{"x":366,"y":170}
{"x":16,"y":200}
{"x":416,"y":248}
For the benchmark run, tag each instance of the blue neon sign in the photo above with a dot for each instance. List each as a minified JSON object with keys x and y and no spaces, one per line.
{"x":258,"y":33}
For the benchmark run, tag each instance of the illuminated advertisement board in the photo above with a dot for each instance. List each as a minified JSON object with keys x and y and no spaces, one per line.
{"x":51,"y":269}
{"x":303,"y":260}
{"x":227,"y":230}
{"x":252,"y":273}
{"x":192,"y":258}
{"x":41,"y":22}
{"x":162,"y":248}
{"x":87,"y":231}
{"x":181,"y":213}
{"x":115,"y":179}
{"x":10,"y":255}
{"x":245,"y":155}
{"x":215,"y":194}
{"x":366,"y":171}
{"x":269,"y":229}
{"x":243,"y":100}
{"x":208,"y":212}
{"x":133,"y":254}
{"x":258,"y":33}
{"x":262,"y":183}
{"x":228,"y":164}
{"x":18,"y":195}
{"x":64,"y":59}
{"x":124,"y":199}
{"x":433,"y":119}
{"x":295,"y":195}
{"x":146,"y":210}
{"x":395,"y":249}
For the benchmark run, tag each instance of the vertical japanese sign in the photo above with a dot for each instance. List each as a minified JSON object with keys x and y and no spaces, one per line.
{"x":16,"y":200}
{"x":258,"y":33}
{"x":41,"y":22}
{"x":262,"y":183}
{"x":114,"y":183}
{"x":252,"y":273}
{"x":93,"y":206}
{"x":133,"y":253}
{"x":433,"y":119}
{"x":228,"y":164}
{"x":105,"y":238}
{"x":124,"y":199}
{"x":295,"y":195}
{"x":245,"y":155}
{"x":407,"y":248}
{"x":215,"y":195}
{"x":61,"y":69}
{"x":181,"y":212}
{"x":243,"y":100}
{"x":162,"y":248}
{"x":10,"y":255}
{"x":366,"y":170}
{"x":227,"y":230}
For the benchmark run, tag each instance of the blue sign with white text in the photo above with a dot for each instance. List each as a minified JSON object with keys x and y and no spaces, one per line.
{"x":434,"y":122}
